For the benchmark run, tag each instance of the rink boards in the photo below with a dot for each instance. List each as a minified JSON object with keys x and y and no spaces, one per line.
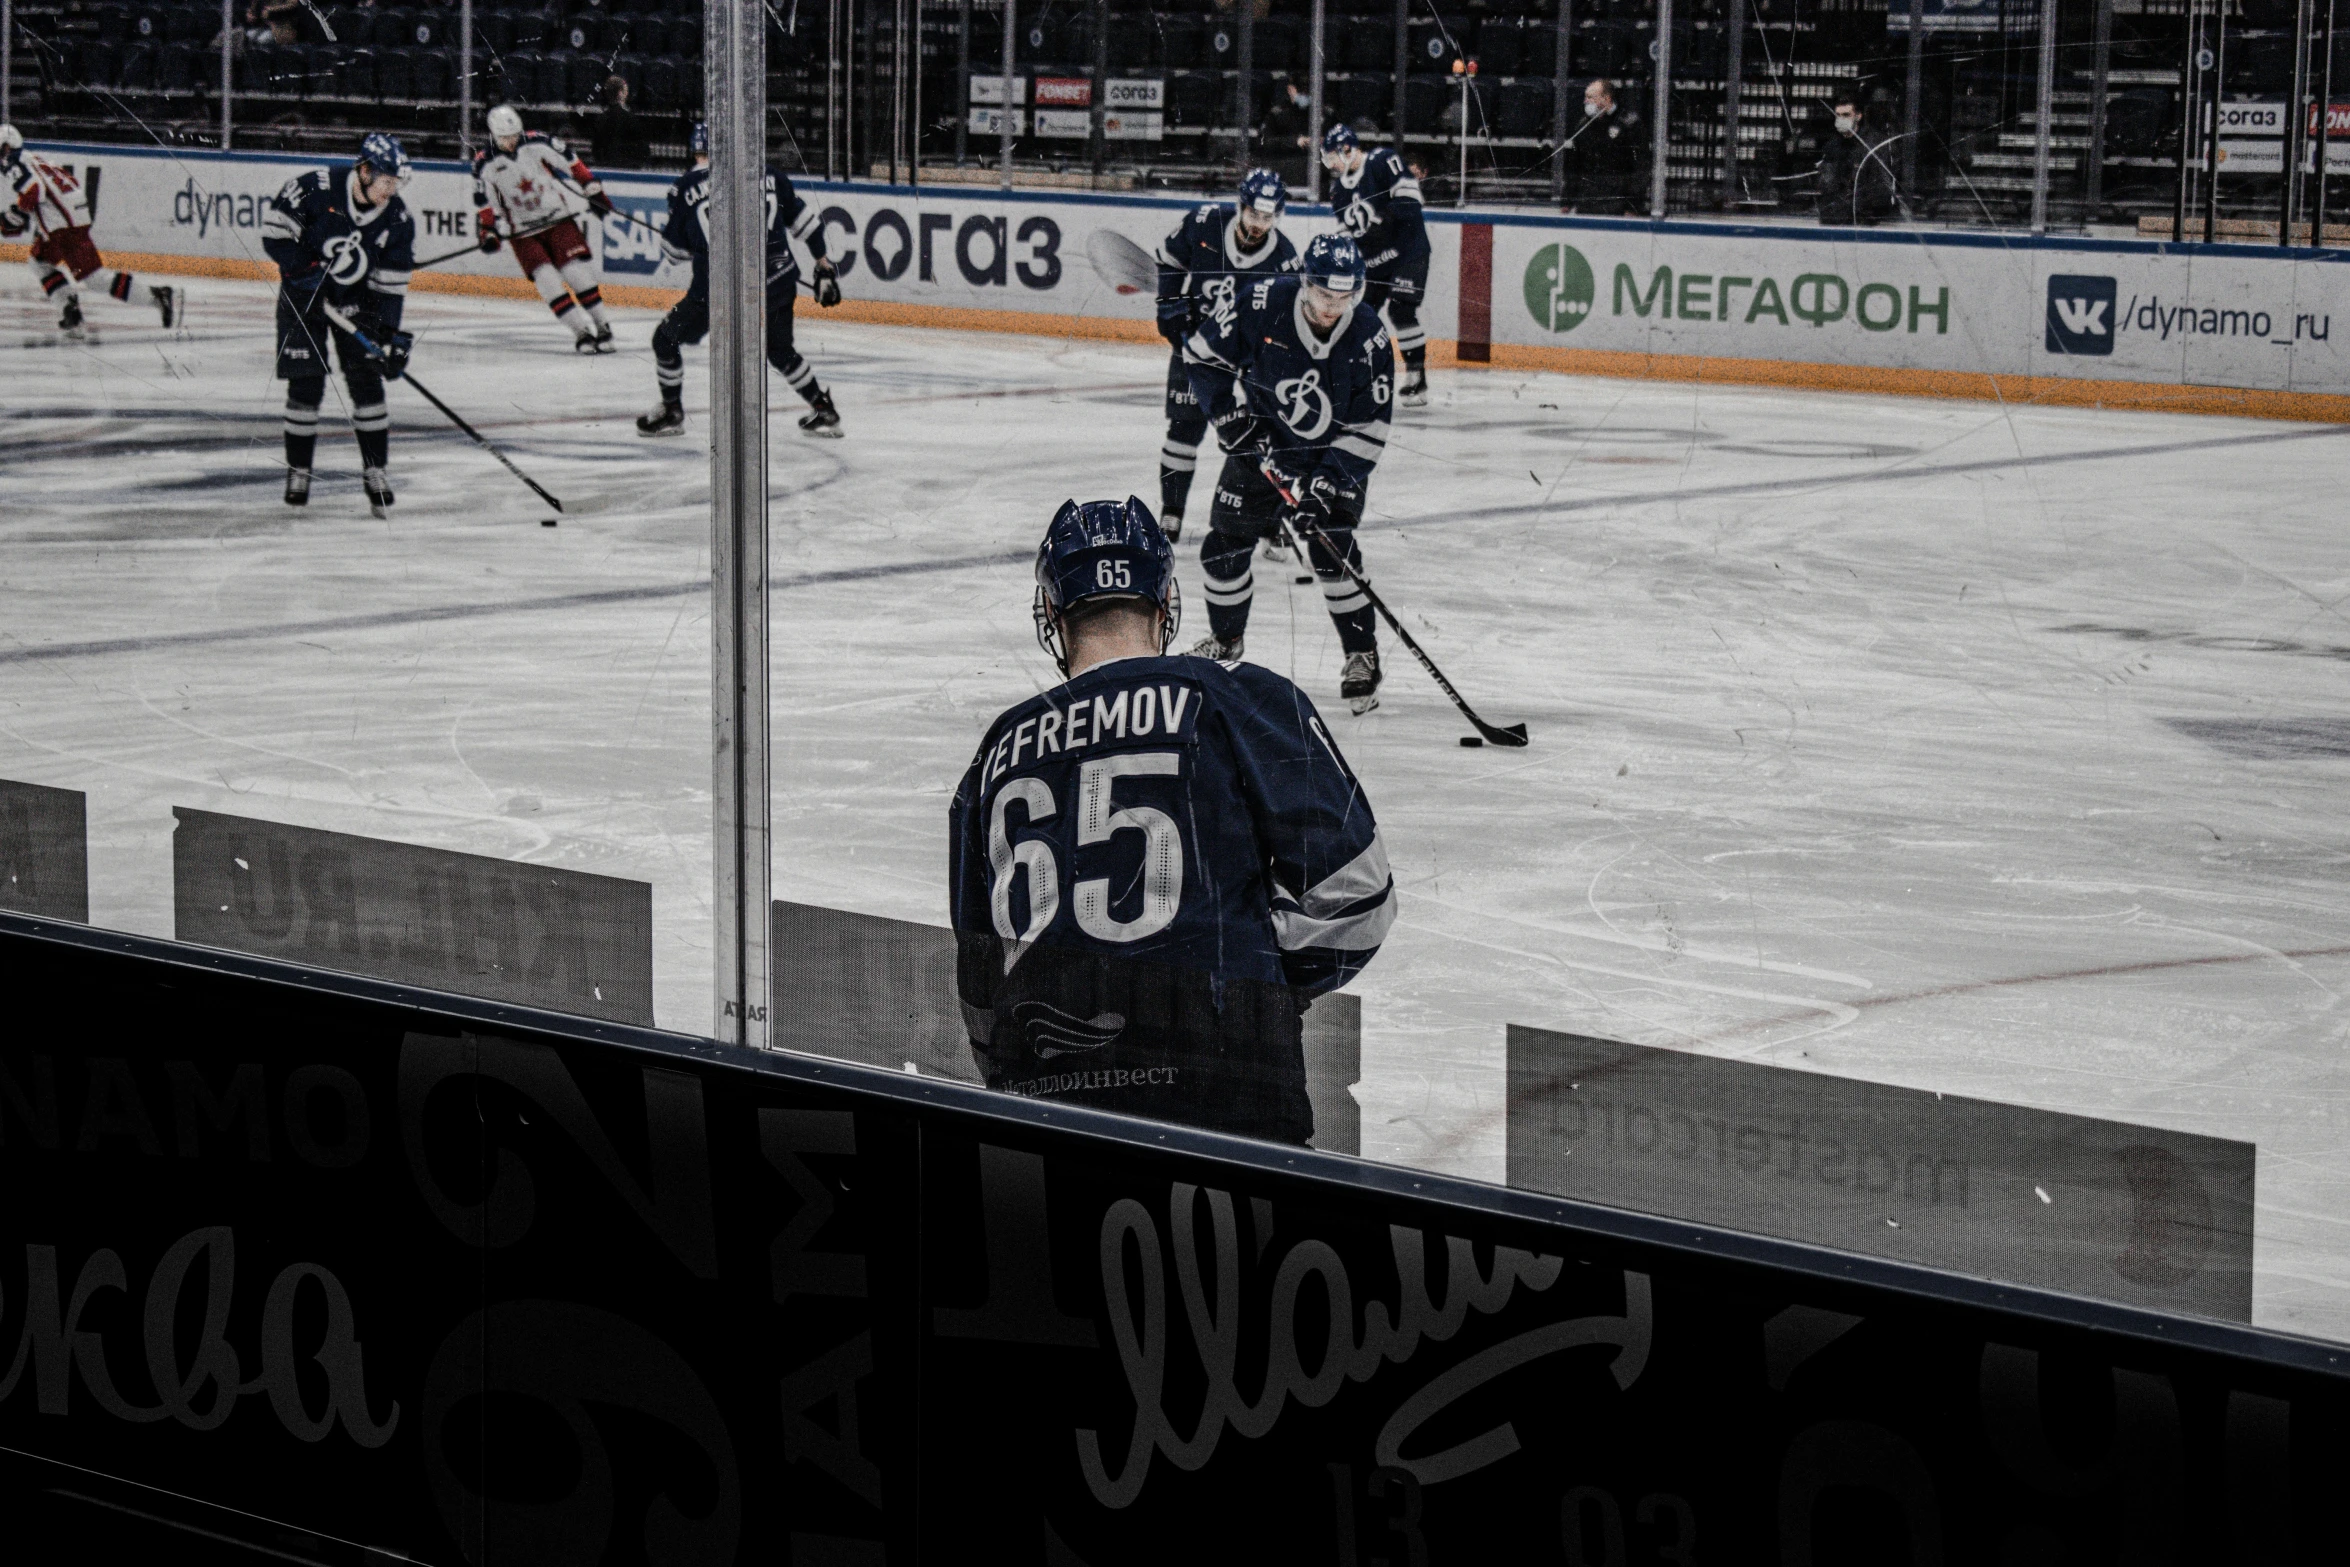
{"x":303,"y":1259}
{"x":2211,"y":328}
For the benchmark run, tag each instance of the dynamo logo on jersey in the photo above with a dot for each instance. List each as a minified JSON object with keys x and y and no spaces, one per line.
{"x":2080,"y":314}
{"x":1559,"y":287}
{"x":1305,"y":406}
{"x":346,"y":259}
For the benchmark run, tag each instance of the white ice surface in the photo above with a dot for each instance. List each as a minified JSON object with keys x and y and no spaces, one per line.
{"x":1817,"y":778}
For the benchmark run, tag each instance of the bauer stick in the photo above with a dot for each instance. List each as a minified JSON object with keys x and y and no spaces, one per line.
{"x":368,"y":345}
{"x":1121,"y":263}
{"x":1498,"y":734}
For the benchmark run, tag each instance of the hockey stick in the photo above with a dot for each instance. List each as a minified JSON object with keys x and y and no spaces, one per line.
{"x":462,"y":250}
{"x":1498,"y":734}
{"x":368,"y":346}
{"x":628,"y":217}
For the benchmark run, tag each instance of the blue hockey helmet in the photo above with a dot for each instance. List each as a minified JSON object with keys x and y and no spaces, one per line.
{"x":1334,"y":262}
{"x":1338,"y":139}
{"x":699,"y":141}
{"x":1263,"y":192}
{"x":383,"y":155}
{"x":1101,"y":550}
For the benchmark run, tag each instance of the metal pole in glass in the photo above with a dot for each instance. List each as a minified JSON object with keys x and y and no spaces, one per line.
{"x":2325,"y":125}
{"x":1661,"y":144}
{"x":7,"y":58}
{"x":465,"y":79}
{"x":2296,"y":126}
{"x":228,"y":23}
{"x":736,"y":72}
{"x":1403,"y":65}
{"x":914,"y":131}
{"x":1008,"y":110}
{"x":2190,"y":96}
{"x":897,"y":87}
{"x":1561,"y":78}
{"x":2100,"y":79}
{"x":2046,"y":102}
{"x":1733,"y":90}
{"x":1913,"y":109}
{"x":1100,"y":126}
{"x":1314,"y":109}
{"x":2219,"y":88}
{"x":1247,"y":61}
{"x":963,"y":86}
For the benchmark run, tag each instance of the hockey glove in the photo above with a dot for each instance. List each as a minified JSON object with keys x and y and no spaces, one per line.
{"x":827,"y":282}
{"x":1284,"y":475}
{"x":391,"y":349}
{"x":485,"y":226}
{"x":1244,"y":433}
{"x":13,"y":221}
{"x":1175,"y":319}
{"x":598,"y":203}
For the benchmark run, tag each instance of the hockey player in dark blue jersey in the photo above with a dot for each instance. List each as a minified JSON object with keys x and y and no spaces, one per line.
{"x":687,"y":234}
{"x":1210,"y":253}
{"x":1377,"y":200}
{"x":1156,"y":862}
{"x":1296,"y":377}
{"x":342,"y":237}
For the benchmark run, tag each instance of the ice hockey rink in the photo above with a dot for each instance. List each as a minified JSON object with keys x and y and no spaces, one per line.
{"x":1991,"y":750}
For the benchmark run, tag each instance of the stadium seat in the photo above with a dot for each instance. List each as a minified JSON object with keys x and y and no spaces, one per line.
{"x":1425,"y":100}
{"x":656,"y":88}
{"x":191,"y":24}
{"x":101,"y":63}
{"x":175,"y":68}
{"x":1364,"y":95}
{"x":387,"y":27}
{"x":685,"y":37}
{"x":354,"y":75}
{"x":148,"y":25}
{"x":430,"y":27}
{"x":583,"y":74}
{"x":1434,"y":48}
{"x":1499,"y":46}
{"x":1361,"y":43}
{"x":435,"y":74}
{"x":1133,"y":41}
{"x":395,"y":76}
{"x":1191,"y":98}
{"x":114,"y":22}
{"x":1538,"y":42}
{"x":1520,"y":108}
{"x":519,"y":73}
{"x":1183,"y":42}
{"x":138,"y":67}
{"x":1278,"y":45}
{"x":2138,"y":122}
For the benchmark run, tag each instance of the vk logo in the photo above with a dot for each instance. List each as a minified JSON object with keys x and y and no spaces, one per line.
{"x":2080,"y":314}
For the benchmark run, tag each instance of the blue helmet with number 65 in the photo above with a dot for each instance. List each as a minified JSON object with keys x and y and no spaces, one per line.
{"x":1097,"y":551}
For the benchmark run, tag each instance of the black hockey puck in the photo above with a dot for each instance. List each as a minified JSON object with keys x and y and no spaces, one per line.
{"x":1472,"y":740}
{"x":546,"y":522}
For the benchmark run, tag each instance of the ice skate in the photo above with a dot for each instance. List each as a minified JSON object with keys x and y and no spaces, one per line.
{"x":1415,"y":390}
{"x":379,"y":492}
{"x":1358,"y":681}
{"x":70,"y":321}
{"x":585,"y":343}
{"x":1277,"y":550}
{"x":1171,"y":524}
{"x":821,"y":418}
{"x":1212,"y":646}
{"x":297,"y":486}
{"x":169,"y":304}
{"x":603,"y":338}
{"x":665,"y":419}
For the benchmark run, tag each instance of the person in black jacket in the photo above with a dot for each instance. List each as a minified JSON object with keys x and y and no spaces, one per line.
{"x":1603,"y":165}
{"x":620,"y":138}
{"x":1856,"y":170}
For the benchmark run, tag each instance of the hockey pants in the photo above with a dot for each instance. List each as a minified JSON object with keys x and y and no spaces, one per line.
{"x":1186,"y":428}
{"x":688,"y":321}
{"x":303,"y":333}
{"x":1247,"y":509}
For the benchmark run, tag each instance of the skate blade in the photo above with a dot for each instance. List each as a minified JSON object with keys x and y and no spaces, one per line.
{"x":829,"y":432}
{"x":1359,"y":705}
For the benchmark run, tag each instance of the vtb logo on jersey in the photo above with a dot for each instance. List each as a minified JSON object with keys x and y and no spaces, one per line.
{"x":1305,"y":407}
{"x":346,"y":259}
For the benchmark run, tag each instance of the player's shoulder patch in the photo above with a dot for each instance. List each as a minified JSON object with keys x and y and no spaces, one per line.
{"x":1206,"y":211}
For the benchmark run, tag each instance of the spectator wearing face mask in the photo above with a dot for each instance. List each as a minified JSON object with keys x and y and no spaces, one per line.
{"x":1856,"y":170}
{"x":1603,"y":160}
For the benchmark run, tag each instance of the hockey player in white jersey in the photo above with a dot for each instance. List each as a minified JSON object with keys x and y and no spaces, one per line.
{"x":48,"y":199}
{"x":529,"y":188}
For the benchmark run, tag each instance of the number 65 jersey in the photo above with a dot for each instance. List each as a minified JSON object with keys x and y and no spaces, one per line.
{"x":1153,"y":866}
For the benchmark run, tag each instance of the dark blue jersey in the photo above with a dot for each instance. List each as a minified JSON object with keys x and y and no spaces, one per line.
{"x":1149,"y":864}
{"x":687,"y":233}
{"x":1379,"y":204}
{"x":1203,"y":260}
{"x":322,"y":238}
{"x":1323,"y":399}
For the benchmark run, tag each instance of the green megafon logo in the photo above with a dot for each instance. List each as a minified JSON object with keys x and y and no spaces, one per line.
{"x":1559,"y":289}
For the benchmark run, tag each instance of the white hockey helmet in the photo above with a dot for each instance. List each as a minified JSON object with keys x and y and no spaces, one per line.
{"x":11,"y":143}
{"x":505,"y":120}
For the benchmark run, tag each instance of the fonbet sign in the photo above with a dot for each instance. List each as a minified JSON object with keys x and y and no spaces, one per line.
{"x":2118,"y":311}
